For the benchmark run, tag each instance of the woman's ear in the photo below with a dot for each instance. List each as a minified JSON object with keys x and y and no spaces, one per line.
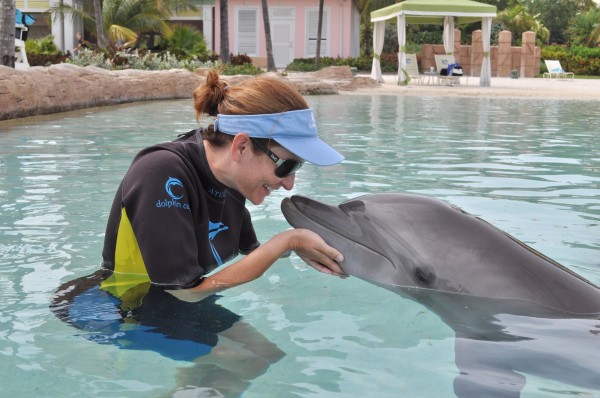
{"x":240,"y":146}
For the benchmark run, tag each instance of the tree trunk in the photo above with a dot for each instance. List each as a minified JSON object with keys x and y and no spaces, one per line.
{"x":319,"y":29}
{"x":99,"y":24}
{"x":368,"y":38}
{"x":224,"y":32}
{"x":7,"y":33}
{"x":270,"y":59}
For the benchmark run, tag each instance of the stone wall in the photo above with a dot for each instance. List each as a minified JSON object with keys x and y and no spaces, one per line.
{"x":64,"y":87}
{"x":504,"y":58}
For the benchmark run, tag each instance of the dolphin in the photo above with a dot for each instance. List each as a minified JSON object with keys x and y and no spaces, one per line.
{"x":485,"y":284}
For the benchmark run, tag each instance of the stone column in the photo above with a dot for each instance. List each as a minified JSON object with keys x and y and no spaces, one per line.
{"x":504,"y":54}
{"x":528,"y":54}
{"x":427,"y":60}
{"x":477,"y":52}
{"x":457,"y":45}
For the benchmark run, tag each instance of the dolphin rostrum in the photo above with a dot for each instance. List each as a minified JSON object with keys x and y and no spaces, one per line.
{"x":477,"y":278}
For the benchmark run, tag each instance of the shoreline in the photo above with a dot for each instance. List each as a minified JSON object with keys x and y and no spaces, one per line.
{"x":501,"y":87}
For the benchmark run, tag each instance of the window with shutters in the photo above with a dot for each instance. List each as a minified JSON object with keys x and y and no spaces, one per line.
{"x":246,"y":31}
{"x":312,"y":22}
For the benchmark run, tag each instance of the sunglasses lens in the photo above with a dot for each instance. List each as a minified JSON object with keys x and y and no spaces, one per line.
{"x":287,"y":167}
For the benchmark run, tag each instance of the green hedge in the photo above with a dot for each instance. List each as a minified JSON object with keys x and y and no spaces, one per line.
{"x":389,"y":63}
{"x":579,"y":59}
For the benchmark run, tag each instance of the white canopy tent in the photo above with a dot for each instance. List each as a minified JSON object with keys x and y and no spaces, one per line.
{"x":432,"y":12}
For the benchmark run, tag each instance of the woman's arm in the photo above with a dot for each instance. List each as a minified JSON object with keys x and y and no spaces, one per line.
{"x":307,"y":244}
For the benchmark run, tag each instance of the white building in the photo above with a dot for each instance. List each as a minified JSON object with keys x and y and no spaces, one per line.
{"x":64,"y":29}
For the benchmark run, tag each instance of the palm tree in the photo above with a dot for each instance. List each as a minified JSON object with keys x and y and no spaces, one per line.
{"x":270,"y":59}
{"x":7,"y":32}
{"x":125,"y":20}
{"x":517,"y":19}
{"x":319,"y":29}
{"x":584,"y":29}
{"x":224,"y":7}
{"x":98,"y":17}
{"x":364,"y":8}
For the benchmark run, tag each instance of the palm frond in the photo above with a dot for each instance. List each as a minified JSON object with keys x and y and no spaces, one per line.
{"x":118,"y":33}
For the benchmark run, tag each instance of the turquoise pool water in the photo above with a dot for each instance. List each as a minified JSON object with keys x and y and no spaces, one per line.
{"x":530,"y":167}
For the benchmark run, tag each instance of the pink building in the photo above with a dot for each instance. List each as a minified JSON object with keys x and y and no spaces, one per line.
{"x":293,"y":29}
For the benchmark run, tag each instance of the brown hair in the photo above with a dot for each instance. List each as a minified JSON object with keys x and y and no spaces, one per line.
{"x":259,"y":95}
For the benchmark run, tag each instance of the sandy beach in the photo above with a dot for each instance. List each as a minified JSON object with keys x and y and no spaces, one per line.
{"x":578,"y":89}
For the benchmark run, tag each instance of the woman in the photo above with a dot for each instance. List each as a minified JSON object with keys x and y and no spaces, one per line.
{"x":179,"y":212}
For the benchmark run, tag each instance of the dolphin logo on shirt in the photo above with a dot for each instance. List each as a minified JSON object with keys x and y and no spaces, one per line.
{"x":172,"y":181}
{"x":213,"y":231}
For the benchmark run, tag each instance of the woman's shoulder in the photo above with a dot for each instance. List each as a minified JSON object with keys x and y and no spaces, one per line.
{"x":166,"y":153}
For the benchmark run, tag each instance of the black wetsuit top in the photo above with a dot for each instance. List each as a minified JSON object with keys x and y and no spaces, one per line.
{"x":171,"y":221}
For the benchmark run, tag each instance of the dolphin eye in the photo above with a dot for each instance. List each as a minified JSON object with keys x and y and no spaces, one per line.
{"x":424,"y":276}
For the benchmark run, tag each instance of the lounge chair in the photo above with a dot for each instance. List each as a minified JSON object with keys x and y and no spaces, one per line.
{"x":555,"y":70}
{"x":442,"y":62}
{"x":412,"y":68}
{"x":22,"y":23}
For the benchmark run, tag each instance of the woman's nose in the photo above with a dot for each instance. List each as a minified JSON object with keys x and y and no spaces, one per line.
{"x":288,"y":182}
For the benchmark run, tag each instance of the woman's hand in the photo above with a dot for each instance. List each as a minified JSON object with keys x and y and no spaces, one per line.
{"x":311,"y":248}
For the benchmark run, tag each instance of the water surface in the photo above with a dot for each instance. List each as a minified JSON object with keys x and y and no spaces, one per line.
{"x":530,"y":167}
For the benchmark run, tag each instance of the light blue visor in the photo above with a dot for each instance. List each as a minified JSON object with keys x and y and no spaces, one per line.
{"x":296,"y":131}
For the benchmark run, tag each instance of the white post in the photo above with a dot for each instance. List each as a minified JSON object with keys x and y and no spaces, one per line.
{"x":64,"y":29}
{"x":207,"y":27}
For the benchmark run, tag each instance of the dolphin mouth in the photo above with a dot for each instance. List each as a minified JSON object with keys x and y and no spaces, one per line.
{"x":299,"y":210}
{"x":316,"y":211}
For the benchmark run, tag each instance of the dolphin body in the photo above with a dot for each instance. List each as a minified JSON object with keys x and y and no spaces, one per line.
{"x":505,"y":301}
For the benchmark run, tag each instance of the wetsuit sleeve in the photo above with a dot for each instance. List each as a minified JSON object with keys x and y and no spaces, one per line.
{"x":158,"y":196}
{"x":248,"y":241}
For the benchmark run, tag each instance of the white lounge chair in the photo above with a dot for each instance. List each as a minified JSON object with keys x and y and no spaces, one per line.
{"x":442,"y":61}
{"x":412,"y":68}
{"x":555,"y":70}
{"x":21,"y":30}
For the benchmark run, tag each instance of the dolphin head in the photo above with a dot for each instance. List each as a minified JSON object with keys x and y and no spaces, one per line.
{"x":368,"y":231}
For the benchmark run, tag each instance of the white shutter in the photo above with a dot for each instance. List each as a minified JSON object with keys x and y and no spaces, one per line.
{"x":281,"y":12}
{"x":312,"y":28}
{"x":246,"y":36}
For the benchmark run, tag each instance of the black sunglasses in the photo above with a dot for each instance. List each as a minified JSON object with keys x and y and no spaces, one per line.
{"x":284,"y":167}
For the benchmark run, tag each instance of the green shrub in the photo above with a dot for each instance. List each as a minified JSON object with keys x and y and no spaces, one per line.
{"x":240,"y":59}
{"x":43,"y":45}
{"x":245,"y":69}
{"x":302,"y":65}
{"x":137,"y":59}
{"x":35,"y":59}
{"x":579,"y":59}
{"x":586,"y":52}
{"x":389,"y":63}
{"x":43,"y":52}
{"x":185,"y":43}
{"x":87,"y":57}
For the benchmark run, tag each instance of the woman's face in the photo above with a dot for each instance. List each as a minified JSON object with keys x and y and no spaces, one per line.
{"x":260,"y":178}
